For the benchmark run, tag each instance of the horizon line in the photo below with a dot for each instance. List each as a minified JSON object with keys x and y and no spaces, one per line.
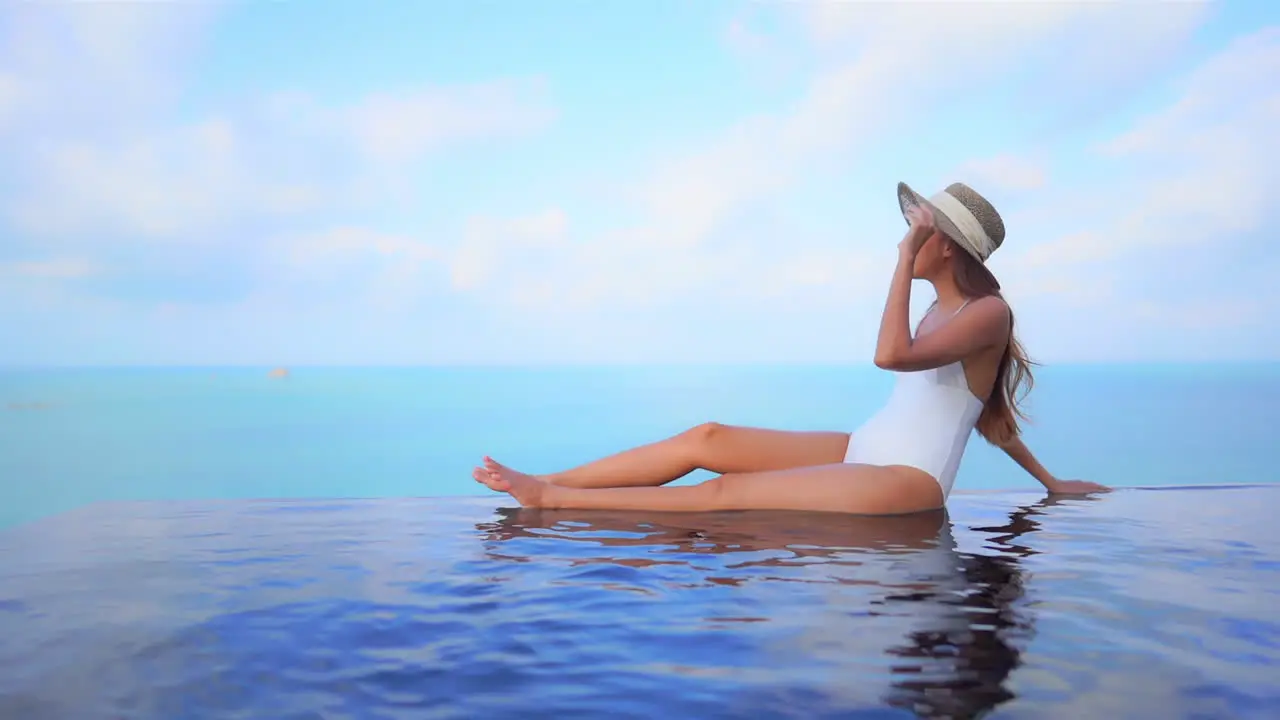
{"x":584,"y":365}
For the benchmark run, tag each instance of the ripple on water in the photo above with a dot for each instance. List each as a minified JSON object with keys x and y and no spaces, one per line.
{"x":431,"y":608}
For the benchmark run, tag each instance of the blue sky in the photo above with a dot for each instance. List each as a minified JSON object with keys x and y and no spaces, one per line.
{"x":666,"y":181}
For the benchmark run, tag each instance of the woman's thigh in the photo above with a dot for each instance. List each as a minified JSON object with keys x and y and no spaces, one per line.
{"x":841,"y":487}
{"x":739,"y":449}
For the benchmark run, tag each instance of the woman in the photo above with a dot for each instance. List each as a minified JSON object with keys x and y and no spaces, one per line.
{"x":960,"y":372}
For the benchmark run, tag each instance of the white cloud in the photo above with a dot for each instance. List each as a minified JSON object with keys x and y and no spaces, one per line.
{"x":388,"y":269}
{"x":150,"y":185}
{"x":883,"y":64}
{"x":741,"y":38}
{"x":1221,"y":138}
{"x":183,"y":182}
{"x":58,"y":268}
{"x":1199,"y":172}
{"x":98,"y":154}
{"x":686,"y":252}
{"x":502,"y":255}
{"x":716,"y":233}
{"x":10,"y":97}
{"x":396,"y":128}
{"x":1004,"y":173}
{"x":1199,"y":313}
{"x":334,"y":247}
{"x":113,"y":62}
{"x":1124,"y":41}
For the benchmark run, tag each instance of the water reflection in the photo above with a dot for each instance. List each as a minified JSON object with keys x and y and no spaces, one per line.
{"x":959,"y":619}
{"x":977,"y":658}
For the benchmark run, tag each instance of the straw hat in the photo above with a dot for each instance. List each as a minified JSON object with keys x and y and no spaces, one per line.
{"x":961,"y":214}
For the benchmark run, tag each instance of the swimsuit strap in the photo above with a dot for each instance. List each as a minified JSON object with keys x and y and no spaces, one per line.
{"x":957,"y":312}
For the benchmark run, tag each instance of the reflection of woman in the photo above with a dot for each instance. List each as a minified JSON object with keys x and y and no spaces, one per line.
{"x":961,"y":615}
{"x":975,"y":665}
{"x":960,"y":372}
{"x":799,"y":534}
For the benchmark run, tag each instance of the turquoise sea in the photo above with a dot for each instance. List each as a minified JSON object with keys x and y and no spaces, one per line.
{"x":212,"y":543}
{"x":74,"y":436}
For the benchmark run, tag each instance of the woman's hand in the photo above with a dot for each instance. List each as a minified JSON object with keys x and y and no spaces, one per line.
{"x":1076,"y":487}
{"x":922,"y":228}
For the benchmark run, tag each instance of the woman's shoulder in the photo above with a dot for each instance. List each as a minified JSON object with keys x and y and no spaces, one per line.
{"x":993,"y":300}
{"x":989,"y":314}
{"x":988,"y":306}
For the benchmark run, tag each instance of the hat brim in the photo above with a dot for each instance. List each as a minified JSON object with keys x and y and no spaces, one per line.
{"x":908,"y":198}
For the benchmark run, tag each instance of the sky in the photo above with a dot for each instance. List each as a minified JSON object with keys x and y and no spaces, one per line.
{"x":668,"y":181}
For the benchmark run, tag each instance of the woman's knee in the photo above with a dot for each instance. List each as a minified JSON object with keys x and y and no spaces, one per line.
{"x":700,"y":439}
{"x":706,"y":431}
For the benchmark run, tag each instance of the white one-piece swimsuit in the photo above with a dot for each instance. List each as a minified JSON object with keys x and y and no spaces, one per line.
{"x":925,"y":424}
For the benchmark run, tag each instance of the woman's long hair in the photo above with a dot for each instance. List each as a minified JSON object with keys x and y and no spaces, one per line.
{"x":998,"y":422}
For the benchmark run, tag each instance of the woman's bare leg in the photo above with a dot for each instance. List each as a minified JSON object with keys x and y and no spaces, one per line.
{"x":840,"y":487}
{"x":711,"y":446}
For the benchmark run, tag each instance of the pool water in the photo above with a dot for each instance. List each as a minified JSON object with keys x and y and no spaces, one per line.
{"x":1151,"y":603}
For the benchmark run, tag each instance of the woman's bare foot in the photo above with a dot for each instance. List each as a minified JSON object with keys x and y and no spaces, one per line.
{"x":528,"y":490}
{"x":489,"y":480}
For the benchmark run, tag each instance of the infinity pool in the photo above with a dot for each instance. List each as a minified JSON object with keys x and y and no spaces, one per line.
{"x":1142,"y":603}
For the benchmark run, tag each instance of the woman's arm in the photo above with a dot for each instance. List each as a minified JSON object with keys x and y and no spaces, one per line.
{"x":894,"y":340}
{"x":1021,"y":454}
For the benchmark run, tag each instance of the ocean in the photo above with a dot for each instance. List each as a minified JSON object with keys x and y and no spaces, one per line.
{"x":74,"y":436}
{"x":214,"y":543}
